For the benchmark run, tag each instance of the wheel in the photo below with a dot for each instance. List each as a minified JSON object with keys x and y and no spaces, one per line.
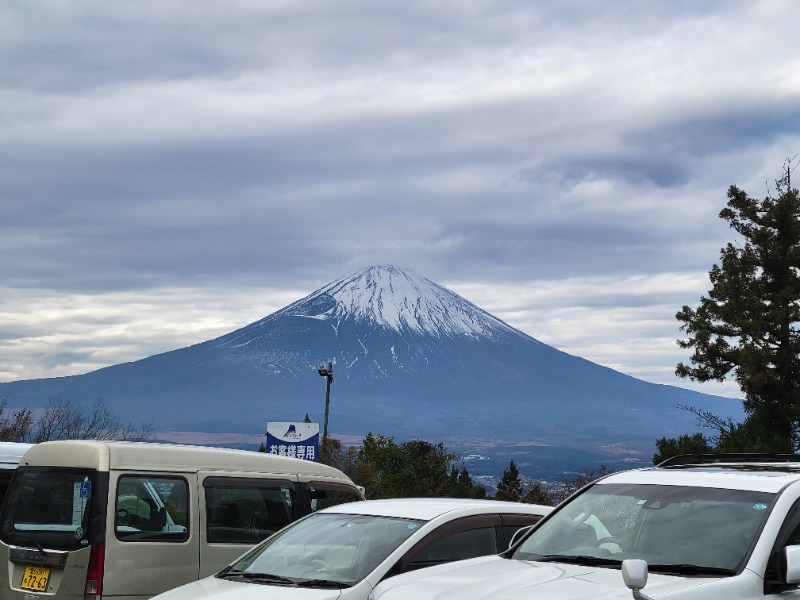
{"x":123,"y":516}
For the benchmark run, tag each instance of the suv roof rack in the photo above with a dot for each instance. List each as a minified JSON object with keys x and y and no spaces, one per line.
{"x":695,"y":459}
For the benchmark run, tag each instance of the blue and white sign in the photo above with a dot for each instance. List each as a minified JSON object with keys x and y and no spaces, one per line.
{"x":86,"y":489}
{"x":296,"y":440}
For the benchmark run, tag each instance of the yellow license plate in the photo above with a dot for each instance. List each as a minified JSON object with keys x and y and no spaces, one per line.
{"x":35,"y":578}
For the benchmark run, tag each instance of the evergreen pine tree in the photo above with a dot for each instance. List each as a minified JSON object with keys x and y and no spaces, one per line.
{"x":748,"y":327}
{"x":510,"y":486}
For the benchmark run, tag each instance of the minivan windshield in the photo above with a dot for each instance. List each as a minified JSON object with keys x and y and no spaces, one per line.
{"x":324,"y":550}
{"x":674,"y":528}
{"x":48,"y":508}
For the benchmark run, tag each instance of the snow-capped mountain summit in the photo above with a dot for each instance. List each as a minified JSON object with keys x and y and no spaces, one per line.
{"x":411,"y":359}
{"x":379,"y":323}
{"x":399,"y":300}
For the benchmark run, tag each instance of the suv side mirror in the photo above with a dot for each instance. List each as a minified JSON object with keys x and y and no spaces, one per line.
{"x":634,"y":574}
{"x":791,"y":555}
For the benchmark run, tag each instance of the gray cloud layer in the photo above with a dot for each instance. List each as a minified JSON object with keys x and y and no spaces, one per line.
{"x":171,"y":170}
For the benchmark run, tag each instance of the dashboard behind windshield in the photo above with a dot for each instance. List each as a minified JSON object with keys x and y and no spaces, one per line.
{"x":664,"y":525}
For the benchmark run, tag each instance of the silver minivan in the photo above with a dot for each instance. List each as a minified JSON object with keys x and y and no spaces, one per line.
{"x":96,"y":519}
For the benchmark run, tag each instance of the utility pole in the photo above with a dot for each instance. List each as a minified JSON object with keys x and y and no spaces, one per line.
{"x":328,"y":375}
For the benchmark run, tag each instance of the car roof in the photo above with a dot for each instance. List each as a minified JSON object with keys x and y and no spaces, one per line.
{"x":429,"y":508}
{"x":114,"y":454}
{"x":763,"y":475}
{"x":11,"y":453}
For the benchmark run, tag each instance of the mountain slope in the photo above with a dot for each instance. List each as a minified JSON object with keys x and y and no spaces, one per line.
{"x":411,"y":358}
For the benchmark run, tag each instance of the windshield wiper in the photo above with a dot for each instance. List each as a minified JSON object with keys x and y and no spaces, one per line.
{"x":579,"y":559}
{"x":690,"y":569}
{"x":259,"y":577}
{"x":323,"y":583}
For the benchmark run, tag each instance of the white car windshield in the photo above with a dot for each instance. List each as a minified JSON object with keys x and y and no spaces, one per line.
{"x":675,"y":529}
{"x":328,"y":549}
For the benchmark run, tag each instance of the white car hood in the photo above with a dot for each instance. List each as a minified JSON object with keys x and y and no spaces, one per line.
{"x":213,"y":588}
{"x":494,"y":578}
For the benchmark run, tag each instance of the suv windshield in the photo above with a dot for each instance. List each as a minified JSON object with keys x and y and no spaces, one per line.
{"x":324,"y":549}
{"x":673,"y":528}
{"x":48,"y":508}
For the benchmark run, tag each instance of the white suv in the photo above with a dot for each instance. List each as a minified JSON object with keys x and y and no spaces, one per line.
{"x":712,"y":526}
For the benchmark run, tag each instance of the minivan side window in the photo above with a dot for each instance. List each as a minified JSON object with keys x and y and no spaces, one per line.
{"x":241,"y":510}
{"x":5,"y":479}
{"x":152,"y":508}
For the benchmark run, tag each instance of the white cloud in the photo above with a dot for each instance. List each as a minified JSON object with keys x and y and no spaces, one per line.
{"x":67,"y":334}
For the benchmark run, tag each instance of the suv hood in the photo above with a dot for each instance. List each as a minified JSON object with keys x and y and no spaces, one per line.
{"x":495,"y":578}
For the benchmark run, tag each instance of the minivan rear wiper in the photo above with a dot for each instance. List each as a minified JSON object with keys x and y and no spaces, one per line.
{"x":35,"y":541}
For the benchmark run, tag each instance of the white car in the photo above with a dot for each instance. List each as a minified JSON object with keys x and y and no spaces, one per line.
{"x":10,"y":455}
{"x":707,"y":527}
{"x":344,"y":551}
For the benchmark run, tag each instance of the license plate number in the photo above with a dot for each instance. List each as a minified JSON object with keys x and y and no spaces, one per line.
{"x":35,"y":578}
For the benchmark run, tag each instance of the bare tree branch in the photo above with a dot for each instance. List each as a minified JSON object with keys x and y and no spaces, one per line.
{"x":65,"y":419}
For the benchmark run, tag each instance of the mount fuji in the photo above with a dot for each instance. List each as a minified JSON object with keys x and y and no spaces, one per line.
{"x":410,"y":359}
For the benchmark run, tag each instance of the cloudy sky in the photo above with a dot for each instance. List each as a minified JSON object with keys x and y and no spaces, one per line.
{"x":173,"y":170}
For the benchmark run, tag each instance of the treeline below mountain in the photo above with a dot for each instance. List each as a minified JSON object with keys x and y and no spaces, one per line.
{"x":419,"y":468}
